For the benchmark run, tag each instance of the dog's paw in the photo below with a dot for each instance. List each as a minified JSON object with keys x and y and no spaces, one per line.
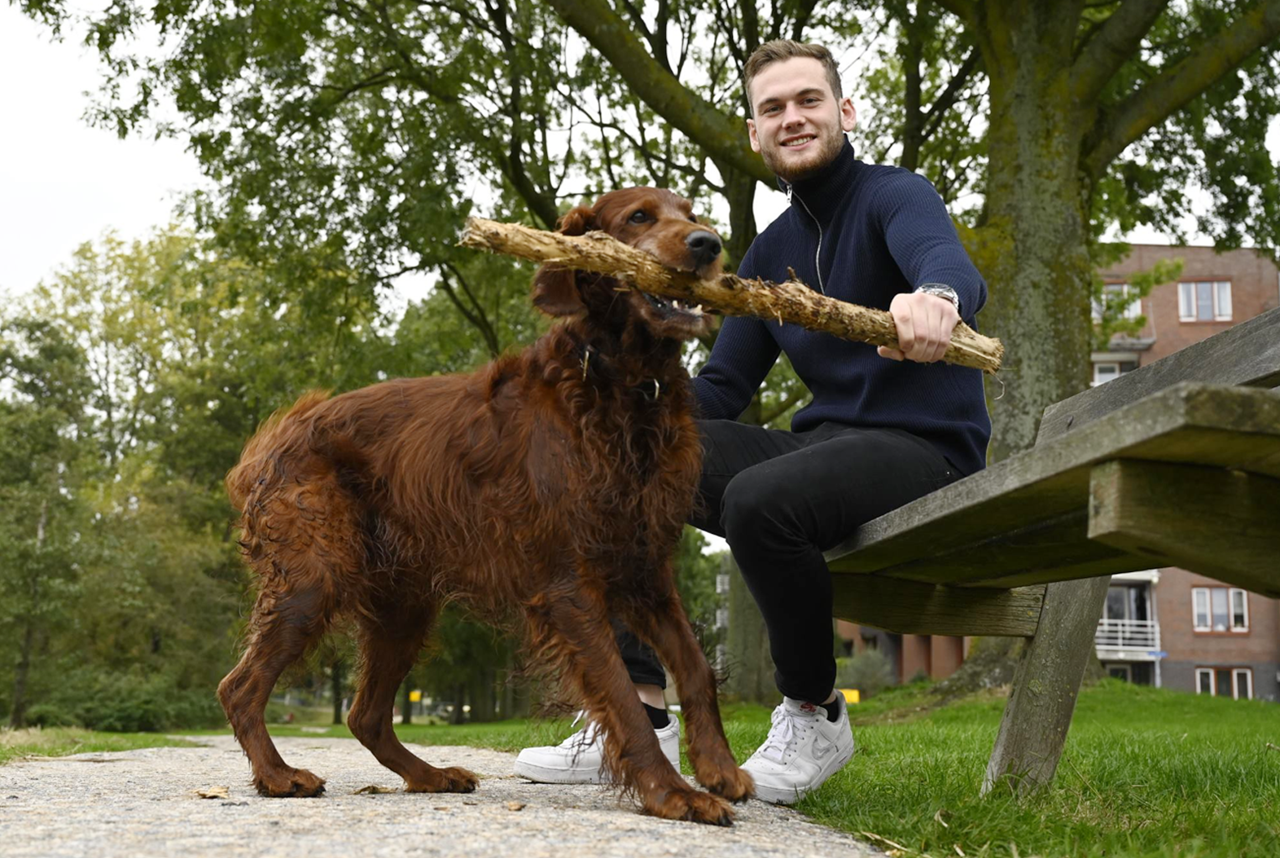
{"x":452,"y":779}
{"x":732,"y":783}
{"x":692,"y":805}
{"x":287,"y":782}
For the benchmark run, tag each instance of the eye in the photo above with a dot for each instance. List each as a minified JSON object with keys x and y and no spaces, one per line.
{"x":692,"y":219}
{"x":638,"y":216}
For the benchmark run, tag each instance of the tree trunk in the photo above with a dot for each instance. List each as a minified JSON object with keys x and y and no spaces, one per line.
{"x":1033,"y":245}
{"x":740,"y":191}
{"x":337,"y":675}
{"x":22,"y":674}
{"x":406,"y":705}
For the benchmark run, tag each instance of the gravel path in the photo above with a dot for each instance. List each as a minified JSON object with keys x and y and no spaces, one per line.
{"x":145,"y":803}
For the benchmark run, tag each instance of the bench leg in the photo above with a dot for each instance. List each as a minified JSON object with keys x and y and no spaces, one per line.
{"x":1045,"y":685}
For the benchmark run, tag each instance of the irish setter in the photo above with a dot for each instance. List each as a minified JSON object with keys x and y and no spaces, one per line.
{"x":552,"y":484}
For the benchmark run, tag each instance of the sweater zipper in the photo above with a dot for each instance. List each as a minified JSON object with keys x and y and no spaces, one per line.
{"x":817,"y":256}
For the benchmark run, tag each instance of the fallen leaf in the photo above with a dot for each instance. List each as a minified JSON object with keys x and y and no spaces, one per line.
{"x":441,"y":807}
{"x":515,"y":805}
{"x":373,"y":789}
{"x":214,"y":792}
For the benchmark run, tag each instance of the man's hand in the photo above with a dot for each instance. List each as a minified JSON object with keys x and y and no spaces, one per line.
{"x":924,"y":325}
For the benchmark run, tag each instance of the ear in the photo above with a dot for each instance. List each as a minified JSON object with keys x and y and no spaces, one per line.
{"x":555,"y":289}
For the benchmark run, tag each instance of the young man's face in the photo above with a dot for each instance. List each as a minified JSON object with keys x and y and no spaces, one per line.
{"x":799,"y":124}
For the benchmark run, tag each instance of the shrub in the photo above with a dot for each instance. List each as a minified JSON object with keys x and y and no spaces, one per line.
{"x":869,"y":671}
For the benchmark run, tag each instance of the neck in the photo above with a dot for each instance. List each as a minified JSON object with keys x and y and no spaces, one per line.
{"x":821,"y":193}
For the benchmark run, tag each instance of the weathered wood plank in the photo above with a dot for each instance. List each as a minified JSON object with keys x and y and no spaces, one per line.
{"x":908,"y":608}
{"x":1043,"y":696}
{"x":1192,"y":424}
{"x":1246,"y":355}
{"x":1224,"y":524}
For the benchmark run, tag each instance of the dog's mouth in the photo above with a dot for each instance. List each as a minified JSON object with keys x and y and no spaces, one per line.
{"x":667,"y":317}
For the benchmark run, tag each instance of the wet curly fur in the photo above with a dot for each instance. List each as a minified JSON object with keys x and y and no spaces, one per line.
{"x":552,"y":484}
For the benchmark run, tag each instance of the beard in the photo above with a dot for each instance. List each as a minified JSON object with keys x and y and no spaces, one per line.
{"x":829,"y":145}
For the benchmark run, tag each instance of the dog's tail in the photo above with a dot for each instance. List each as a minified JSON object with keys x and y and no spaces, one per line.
{"x":283,"y":432}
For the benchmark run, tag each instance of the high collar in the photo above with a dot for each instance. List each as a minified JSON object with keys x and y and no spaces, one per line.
{"x":823,"y":192}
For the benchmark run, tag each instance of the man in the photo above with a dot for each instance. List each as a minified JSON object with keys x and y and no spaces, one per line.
{"x":884,"y":427}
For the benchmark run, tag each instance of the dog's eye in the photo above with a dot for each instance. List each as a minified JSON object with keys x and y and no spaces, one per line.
{"x":692,"y":219}
{"x":638,"y":216}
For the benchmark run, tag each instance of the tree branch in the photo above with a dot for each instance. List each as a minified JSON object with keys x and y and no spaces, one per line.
{"x":780,"y":408}
{"x":1173,"y":88}
{"x":1113,"y":43}
{"x":476,"y":315}
{"x":943,"y":103}
{"x":722,"y":136}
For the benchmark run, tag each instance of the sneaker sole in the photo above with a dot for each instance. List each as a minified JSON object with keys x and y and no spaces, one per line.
{"x":544,"y":775}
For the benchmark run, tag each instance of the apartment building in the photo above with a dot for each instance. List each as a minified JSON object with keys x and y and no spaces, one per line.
{"x":1170,"y":627}
{"x":1164,"y":627}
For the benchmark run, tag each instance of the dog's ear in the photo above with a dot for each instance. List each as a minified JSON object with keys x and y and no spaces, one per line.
{"x":555,"y":289}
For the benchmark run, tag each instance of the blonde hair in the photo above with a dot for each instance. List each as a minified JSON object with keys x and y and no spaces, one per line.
{"x":785,"y":49}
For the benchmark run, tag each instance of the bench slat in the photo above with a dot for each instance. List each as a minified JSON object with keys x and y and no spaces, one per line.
{"x":908,"y":608}
{"x":1246,"y":355}
{"x":1024,"y":515}
{"x":1225,"y":524}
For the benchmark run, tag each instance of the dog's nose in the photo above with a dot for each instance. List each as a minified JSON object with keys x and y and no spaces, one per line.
{"x":705,"y":246}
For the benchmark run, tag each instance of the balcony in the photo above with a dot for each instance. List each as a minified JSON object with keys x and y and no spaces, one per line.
{"x":1127,"y":639}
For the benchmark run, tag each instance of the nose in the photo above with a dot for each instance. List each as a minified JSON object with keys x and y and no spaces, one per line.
{"x":704,"y":245}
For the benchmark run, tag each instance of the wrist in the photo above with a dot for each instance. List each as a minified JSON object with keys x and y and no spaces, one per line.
{"x":940,"y":290}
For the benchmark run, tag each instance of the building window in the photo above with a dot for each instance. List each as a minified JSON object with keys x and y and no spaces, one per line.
{"x":1204,"y":301}
{"x":1104,"y":372}
{"x":1114,"y":293}
{"x":1233,"y":682}
{"x":1219,"y":609}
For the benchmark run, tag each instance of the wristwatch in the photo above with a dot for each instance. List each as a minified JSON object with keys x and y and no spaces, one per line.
{"x":942,"y":290}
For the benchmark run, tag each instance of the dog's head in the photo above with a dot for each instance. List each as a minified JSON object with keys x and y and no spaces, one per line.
{"x":654,"y":220}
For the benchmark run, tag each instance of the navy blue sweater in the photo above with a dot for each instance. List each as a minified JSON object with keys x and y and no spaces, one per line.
{"x":862,"y":233}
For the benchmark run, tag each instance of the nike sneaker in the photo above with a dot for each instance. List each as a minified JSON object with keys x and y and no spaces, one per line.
{"x":802,"y":751}
{"x":579,"y":759}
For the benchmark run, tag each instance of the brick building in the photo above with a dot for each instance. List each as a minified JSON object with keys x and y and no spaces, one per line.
{"x":1163,"y":627}
{"x":1171,"y":627}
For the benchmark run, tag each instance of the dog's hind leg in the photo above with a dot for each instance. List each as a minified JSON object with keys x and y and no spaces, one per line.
{"x":282,"y":629}
{"x":665,"y":627}
{"x":570,"y":623}
{"x":302,"y":543}
{"x":389,"y":646}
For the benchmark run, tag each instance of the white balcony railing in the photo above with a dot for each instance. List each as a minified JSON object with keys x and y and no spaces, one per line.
{"x":1140,"y":635}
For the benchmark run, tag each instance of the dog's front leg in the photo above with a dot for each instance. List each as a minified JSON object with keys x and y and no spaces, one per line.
{"x":570,"y":623}
{"x":666,"y":628}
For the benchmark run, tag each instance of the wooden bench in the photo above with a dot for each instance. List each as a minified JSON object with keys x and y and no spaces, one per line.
{"x":1174,"y":464}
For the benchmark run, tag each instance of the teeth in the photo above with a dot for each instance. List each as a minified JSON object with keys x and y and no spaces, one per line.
{"x":698,"y":310}
{"x":799,"y":142}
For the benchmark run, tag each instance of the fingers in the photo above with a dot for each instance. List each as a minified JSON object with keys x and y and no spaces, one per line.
{"x":924,"y":324}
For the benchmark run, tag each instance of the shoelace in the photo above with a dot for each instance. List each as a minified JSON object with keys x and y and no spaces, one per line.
{"x":582,"y":738}
{"x":781,"y":734}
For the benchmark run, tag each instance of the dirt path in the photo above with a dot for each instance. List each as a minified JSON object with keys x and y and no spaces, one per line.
{"x":144,"y":803}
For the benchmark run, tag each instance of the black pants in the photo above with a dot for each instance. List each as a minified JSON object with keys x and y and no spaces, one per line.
{"x":782,"y":498}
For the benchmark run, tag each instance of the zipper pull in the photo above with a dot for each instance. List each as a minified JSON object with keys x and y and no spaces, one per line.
{"x":788,"y":193}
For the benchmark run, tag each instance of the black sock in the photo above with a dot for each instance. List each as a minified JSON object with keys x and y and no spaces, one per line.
{"x":657,"y":717}
{"x":833,"y":708}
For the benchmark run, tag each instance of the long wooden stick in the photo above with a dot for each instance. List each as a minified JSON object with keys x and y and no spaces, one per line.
{"x":791,"y":301}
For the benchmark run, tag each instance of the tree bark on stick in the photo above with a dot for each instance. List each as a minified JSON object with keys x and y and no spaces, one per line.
{"x":792,"y":301}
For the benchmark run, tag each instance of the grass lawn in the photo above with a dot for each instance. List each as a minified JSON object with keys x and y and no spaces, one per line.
{"x":1146,"y":773}
{"x":61,"y":741}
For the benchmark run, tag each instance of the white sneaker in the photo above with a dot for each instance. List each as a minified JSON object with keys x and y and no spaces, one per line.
{"x":802,"y":751}
{"x":579,"y":759}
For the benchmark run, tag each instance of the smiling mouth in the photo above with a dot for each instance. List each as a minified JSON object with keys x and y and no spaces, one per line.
{"x":799,"y":141}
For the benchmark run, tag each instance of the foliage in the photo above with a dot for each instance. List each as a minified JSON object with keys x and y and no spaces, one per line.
{"x":868,"y":671}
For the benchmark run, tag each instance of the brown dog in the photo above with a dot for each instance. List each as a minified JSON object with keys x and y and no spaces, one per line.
{"x":553,"y":483}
